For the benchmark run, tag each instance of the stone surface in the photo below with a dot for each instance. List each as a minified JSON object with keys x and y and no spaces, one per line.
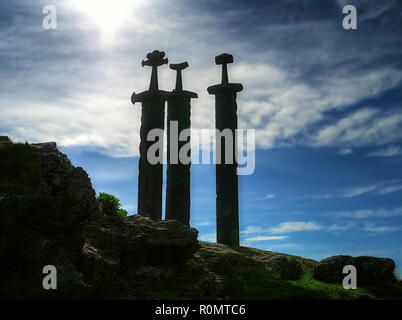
{"x":44,"y":203}
{"x":46,"y":145}
{"x":370,"y":270}
{"x":226,"y":259}
{"x":49,"y":216}
{"x":39,"y":185}
{"x":288,"y":268}
{"x":138,"y":240}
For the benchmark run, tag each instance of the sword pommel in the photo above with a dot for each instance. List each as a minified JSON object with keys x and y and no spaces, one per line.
{"x":155,"y":59}
{"x":224,"y":58}
{"x":179,"y":66}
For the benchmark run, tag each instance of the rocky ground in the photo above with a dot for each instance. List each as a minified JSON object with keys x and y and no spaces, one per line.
{"x":49,"y":215}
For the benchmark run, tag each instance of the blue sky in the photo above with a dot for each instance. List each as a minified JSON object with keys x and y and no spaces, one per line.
{"x":325,"y":103}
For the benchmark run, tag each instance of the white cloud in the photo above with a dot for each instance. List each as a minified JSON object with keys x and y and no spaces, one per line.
{"x":203,"y":223}
{"x":378,"y":188}
{"x":83,"y":97}
{"x":371,"y":227}
{"x":390,"y":151}
{"x":278,"y":107}
{"x":365,"y":127}
{"x":267,"y":197}
{"x":379,"y":213}
{"x":210,"y":237}
{"x":336,"y":227}
{"x":390,"y":189}
{"x":265,"y":238}
{"x":314,"y":197}
{"x":345,"y":152}
{"x":294,"y":227}
{"x":282,"y":228}
{"x":252,"y":230}
{"x":358,"y":191}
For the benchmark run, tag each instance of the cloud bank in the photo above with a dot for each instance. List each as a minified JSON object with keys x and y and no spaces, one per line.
{"x":299,"y":69}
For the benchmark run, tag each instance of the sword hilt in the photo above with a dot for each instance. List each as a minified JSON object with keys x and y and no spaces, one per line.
{"x":179,"y":67}
{"x":224,"y":59}
{"x":155,"y":59}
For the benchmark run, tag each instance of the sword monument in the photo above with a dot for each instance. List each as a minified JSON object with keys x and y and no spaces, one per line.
{"x":150,"y":176}
{"x":178,"y":173}
{"x":227,"y":198}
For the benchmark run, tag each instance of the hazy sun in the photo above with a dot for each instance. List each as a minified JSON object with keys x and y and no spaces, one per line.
{"x":108,"y":15}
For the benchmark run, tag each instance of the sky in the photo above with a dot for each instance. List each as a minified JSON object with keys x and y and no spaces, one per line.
{"x":325,"y":103}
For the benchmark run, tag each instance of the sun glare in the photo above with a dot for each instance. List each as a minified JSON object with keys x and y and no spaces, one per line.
{"x":108,"y":15}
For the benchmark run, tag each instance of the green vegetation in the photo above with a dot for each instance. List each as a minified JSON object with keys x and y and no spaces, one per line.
{"x":165,"y":294}
{"x":114,"y":203}
{"x":258,"y":284}
{"x":330,"y":291}
{"x":222,"y":251}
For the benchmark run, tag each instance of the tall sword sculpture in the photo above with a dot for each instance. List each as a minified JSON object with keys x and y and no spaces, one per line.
{"x":150,"y":176}
{"x":178,"y":173}
{"x":227,"y":200}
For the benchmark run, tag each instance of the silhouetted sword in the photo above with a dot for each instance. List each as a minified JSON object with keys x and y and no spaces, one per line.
{"x":178,"y":173}
{"x":150,"y":176}
{"x":227,"y":198}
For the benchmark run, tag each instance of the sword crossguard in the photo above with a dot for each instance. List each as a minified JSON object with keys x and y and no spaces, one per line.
{"x":179,"y":67}
{"x":224,"y":59}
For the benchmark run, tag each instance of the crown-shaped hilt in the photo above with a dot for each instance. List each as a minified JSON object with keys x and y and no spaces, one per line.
{"x":155,"y":59}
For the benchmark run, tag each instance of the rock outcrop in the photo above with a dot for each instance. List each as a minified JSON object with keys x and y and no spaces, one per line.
{"x":44,"y":202}
{"x":49,"y":215}
{"x":370,"y":270}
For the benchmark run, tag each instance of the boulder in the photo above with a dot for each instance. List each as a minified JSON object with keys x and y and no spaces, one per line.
{"x":49,"y":215}
{"x":124,"y":254}
{"x":288,"y":268}
{"x":45,"y":201}
{"x":370,"y":270}
{"x":41,"y":187}
{"x":136,"y":240}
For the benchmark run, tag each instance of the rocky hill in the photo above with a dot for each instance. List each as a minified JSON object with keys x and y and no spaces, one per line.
{"x":49,"y":215}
